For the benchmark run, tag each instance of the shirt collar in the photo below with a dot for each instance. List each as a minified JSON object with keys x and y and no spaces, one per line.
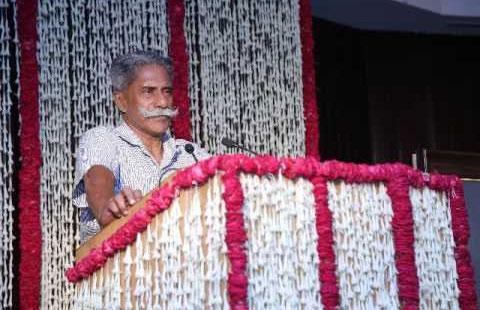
{"x":126,"y":133}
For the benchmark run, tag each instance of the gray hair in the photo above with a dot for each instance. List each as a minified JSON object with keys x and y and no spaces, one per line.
{"x":124,"y":68}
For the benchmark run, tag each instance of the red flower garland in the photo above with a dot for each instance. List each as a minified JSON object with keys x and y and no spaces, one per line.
{"x":403,"y":238}
{"x":236,"y":236}
{"x":178,"y":53}
{"x":29,"y":175}
{"x":329,"y":289}
{"x":466,"y":282}
{"x":308,"y":78}
{"x":398,"y":178}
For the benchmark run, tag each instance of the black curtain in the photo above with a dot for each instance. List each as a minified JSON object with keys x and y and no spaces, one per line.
{"x":383,"y":95}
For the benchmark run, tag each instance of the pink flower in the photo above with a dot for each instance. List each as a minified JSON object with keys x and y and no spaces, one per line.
{"x":72,"y":274}
{"x":210,"y":165}
{"x":107,"y":248}
{"x":140,"y":220}
{"x":267,"y":165}
{"x":198,"y":174}
{"x":230,"y":163}
{"x":249,"y":165}
{"x":183,"y":179}
{"x":97,"y":257}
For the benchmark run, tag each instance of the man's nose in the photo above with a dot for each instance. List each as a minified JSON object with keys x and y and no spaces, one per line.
{"x":163,"y":101}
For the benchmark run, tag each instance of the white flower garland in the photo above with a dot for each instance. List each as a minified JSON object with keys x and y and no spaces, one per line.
{"x":6,"y":149}
{"x":246,"y":75}
{"x":434,"y":249}
{"x":282,"y":244}
{"x":215,"y":265}
{"x":58,"y":227}
{"x":364,"y":247}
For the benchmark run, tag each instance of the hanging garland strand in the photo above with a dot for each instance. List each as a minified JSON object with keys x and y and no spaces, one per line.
{"x":58,"y":227}
{"x":246,"y":75}
{"x":6,"y":150}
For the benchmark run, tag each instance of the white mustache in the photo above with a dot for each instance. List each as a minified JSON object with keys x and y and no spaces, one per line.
{"x":168,"y":112}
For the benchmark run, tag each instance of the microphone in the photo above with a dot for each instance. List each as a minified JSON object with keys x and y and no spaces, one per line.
{"x":230,"y":143}
{"x":190,"y":150}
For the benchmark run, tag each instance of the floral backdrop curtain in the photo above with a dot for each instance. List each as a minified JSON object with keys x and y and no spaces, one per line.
{"x":243,"y":70}
{"x":238,"y":73}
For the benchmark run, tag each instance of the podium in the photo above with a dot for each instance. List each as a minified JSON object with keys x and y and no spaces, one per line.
{"x":239,"y":232}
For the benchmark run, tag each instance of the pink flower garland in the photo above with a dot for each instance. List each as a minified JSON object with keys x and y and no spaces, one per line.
{"x":398,"y":178}
{"x":29,"y":175}
{"x":178,"y":53}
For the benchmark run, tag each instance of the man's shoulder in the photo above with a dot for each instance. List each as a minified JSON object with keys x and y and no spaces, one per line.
{"x":99,"y":137}
{"x":99,"y":132}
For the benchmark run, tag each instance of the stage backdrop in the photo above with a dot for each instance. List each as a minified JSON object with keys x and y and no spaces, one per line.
{"x":243,"y":70}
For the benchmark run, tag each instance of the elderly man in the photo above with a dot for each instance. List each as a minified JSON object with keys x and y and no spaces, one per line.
{"x":115,"y":167}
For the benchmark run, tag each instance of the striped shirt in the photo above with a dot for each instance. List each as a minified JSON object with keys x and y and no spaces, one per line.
{"x":123,"y":153}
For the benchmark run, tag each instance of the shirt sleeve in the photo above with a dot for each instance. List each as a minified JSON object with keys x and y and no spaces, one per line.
{"x":96,"y":147}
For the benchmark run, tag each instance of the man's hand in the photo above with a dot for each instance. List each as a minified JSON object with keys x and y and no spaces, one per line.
{"x":105,"y":205}
{"x":118,"y":205}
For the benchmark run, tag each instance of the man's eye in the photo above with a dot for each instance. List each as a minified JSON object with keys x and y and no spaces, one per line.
{"x":147,"y":90}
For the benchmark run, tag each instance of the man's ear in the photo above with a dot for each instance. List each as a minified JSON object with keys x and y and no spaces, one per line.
{"x":120,"y":101}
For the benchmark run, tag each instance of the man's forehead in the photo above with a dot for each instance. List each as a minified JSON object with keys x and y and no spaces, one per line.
{"x":153,"y":75}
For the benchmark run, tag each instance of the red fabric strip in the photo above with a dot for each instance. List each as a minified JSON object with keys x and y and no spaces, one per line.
{"x":308,"y":76}
{"x":178,"y":54}
{"x":29,"y":174}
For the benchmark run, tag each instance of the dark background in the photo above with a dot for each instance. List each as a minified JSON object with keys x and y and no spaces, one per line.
{"x":383,"y":95}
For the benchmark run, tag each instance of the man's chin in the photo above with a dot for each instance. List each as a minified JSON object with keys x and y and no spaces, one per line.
{"x":160,"y":126}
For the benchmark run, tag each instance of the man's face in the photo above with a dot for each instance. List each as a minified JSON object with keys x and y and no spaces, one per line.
{"x":151,"y":89}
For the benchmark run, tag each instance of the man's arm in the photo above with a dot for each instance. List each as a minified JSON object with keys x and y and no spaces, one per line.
{"x":105,"y":205}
